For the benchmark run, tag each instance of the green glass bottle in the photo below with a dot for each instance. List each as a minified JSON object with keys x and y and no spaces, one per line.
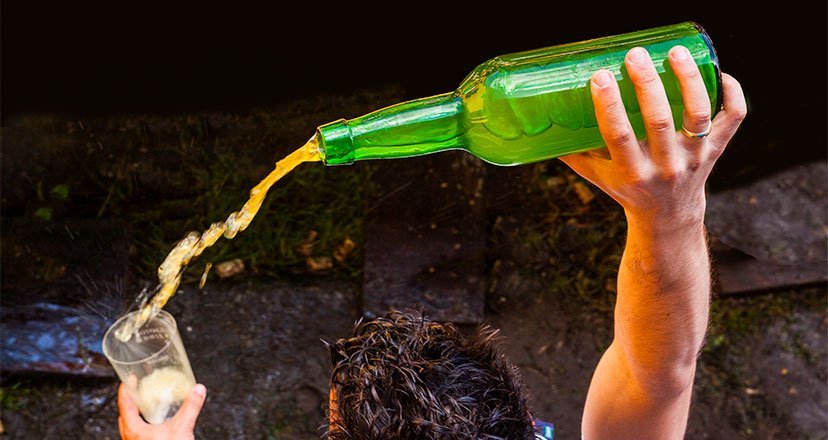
{"x":524,"y":107}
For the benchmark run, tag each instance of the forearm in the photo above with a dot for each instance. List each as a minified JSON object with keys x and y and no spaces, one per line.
{"x":663,"y":301}
{"x":643,"y":385}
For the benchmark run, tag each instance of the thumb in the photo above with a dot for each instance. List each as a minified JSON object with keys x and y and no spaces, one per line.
{"x":188,"y":413}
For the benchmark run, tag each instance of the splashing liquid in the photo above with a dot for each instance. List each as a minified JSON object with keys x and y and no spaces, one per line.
{"x":194,"y":244}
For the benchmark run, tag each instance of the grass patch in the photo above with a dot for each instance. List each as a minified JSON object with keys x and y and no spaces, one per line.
{"x":167,"y":176}
{"x":727,"y":379}
{"x":736,"y":318}
{"x":12,"y":396}
{"x":313,"y":197}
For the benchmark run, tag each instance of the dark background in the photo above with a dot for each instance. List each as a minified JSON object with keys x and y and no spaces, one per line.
{"x":157,"y":58}
{"x":118,"y":91}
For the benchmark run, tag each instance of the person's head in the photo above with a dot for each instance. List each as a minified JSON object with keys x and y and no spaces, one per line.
{"x":403,"y":376}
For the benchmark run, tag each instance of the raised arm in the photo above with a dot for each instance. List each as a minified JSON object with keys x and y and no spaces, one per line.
{"x":642,"y":386}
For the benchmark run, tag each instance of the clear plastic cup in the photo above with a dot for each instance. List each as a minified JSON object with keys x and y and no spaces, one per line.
{"x":153,"y":365}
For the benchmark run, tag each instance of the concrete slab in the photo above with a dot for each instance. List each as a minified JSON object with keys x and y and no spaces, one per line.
{"x":258,"y":348}
{"x":63,"y":283}
{"x":780,"y":219}
{"x":737,"y":272}
{"x":425,"y":235}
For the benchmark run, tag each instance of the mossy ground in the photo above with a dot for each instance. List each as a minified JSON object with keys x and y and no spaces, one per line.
{"x":555,"y":246}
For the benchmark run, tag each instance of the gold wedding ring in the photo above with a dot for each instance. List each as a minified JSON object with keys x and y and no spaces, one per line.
{"x":693,"y":135}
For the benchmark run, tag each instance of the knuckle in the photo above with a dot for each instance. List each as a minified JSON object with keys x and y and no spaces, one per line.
{"x":639,"y":180}
{"x":659,"y":123}
{"x":670,"y":174}
{"x":648,"y":78}
{"x":740,"y":113}
{"x":698,"y":118}
{"x":619,"y":137}
{"x":639,"y":177}
{"x":692,"y":71}
{"x":613,"y":105}
{"x":732,"y":82}
{"x":694,"y":164}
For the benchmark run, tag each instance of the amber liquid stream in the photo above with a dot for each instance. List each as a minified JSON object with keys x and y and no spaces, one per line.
{"x":194,"y":244}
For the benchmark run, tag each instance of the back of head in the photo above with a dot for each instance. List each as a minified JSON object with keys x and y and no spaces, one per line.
{"x":405,"y":377}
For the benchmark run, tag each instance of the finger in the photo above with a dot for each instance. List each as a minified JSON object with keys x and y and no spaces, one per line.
{"x":128,"y":408}
{"x":694,"y":96}
{"x":132,"y":382}
{"x":188,"y":413}
{"x":655,"y":108}
{"x":124,"y":429}
{"x":613,"y":121}
{"x":728,"y":120}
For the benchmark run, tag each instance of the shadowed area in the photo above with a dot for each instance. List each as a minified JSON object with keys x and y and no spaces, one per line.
{"x":542,"y":243}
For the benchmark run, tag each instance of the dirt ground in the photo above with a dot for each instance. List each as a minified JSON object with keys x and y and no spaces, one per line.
{"x":255,"y":340}
{"x":266,"y":368}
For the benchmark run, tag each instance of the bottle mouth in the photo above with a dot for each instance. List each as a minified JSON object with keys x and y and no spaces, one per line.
{"x":335,"y":143}
{"x":714,"y":58}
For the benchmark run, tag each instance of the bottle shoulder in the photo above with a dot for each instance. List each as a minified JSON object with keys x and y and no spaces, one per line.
{"x":478,"y":76}
{"x":503,"y":77}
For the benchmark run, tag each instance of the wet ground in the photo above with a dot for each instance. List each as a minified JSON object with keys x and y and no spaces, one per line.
{"x":551,"y":253}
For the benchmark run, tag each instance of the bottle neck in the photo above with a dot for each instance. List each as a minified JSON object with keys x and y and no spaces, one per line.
{"x":412,"y":128}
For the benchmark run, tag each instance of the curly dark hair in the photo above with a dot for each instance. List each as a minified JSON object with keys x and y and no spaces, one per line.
{"x":403,"y":376}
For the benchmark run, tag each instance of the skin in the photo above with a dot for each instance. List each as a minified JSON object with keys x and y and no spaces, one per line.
{"x":642,"y":386}
{"x":182,"y":426}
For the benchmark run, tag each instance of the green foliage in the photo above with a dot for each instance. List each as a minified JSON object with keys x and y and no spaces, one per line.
{"x":58,"y":195}
{"x":10,"y":396}
{"x":43,"y":213}
{"x":60,"y":192}
{"x":312,"y":197}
